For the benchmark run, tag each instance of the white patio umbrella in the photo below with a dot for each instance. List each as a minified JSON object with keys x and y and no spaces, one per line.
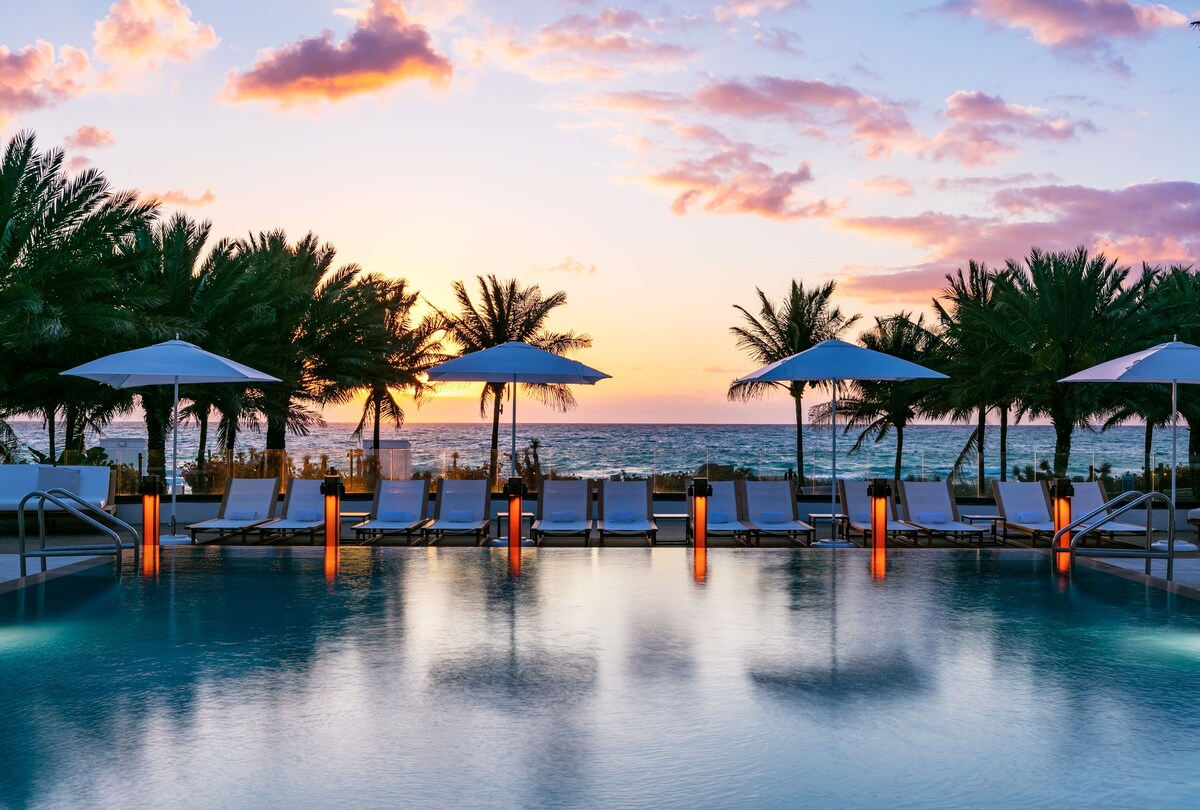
{"x":515,"y":362}
{"x":1173,"y":363}
{"x":835,"y":361}
{"x":169,"y":363}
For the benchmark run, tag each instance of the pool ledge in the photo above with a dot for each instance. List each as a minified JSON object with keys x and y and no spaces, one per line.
{"x":16,"y":582}
{"x":1187,"y":568}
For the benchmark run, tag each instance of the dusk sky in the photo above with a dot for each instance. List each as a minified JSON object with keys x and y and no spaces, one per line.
{"x":657,"y":161}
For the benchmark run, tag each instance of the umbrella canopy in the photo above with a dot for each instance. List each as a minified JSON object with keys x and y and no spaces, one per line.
{"x":171,"y":362}
{"x":164,"y":364}
{"x":1167,"y":363}
{"x":834,"y":361}
{"x":516,"y":362}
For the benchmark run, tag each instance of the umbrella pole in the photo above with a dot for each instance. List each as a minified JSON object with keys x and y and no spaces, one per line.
{"x":833,"y":541}
{"x":514,"y":428}
{"x":1174,"y":425}
{"x":175,"y":455}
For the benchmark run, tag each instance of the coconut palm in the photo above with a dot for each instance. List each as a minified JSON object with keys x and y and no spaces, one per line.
{"x":407,"y":350}
{"x":1061,"y":313}
{"x":61,"y":302}
{"x":877,"y":407}
{"x":506,"y":311}
{"x":803,"y":319}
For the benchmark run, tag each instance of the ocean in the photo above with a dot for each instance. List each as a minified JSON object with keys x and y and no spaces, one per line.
{"x":597,"y":450}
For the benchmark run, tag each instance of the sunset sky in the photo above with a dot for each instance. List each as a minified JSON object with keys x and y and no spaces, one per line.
{"x":657,"y":161}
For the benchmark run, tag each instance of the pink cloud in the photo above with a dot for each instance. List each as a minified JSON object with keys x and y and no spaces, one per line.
{"x":1075,"y":26}
{"x":738,"y":9}
{"x":880,"y":125}
{"x":384,"y":49}
{"x":141,"y":34}
{"x":181,"y":197}
{"x":595,"y":47}
{"x":983,"y":128}
{"x":33,"y":78}
{"x":78,"y":163}
{"x":1156,"y":222}
{"x":887,"y":184}
{"x":88,"y":137}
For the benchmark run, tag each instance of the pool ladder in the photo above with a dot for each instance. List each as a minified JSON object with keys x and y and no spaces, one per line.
{"x":89,"y":513}
{"x":1082,"y":526}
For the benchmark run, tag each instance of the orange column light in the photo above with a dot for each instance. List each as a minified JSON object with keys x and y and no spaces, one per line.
{"x":516,"y":496}
{"x":1061,"y":493}
{"x":879,"y":490}
{"x":332,"y":489}
{"x":699,"y":492}
{"x":151,"y":499}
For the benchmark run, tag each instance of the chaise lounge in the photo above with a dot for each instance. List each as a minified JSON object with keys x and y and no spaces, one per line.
{"x":929,"y":506}
{"x":564,"y":509}
{"x":461,"y":508}
{"x":399,"y":508}
{"x":626,"y":510}
{"x":246,"y":504}
{"x":771,"y":510}
{"x":303,"y":513}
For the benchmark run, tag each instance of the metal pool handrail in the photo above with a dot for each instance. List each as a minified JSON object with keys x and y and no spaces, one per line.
{"x":1138,"y":498}
{"x":56,"y":496}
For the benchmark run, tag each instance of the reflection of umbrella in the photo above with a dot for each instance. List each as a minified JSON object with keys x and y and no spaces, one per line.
{"x":834,"y":361}
{"x":515,"y":362}
{"x":169,"y":363}
{"x":1172,"y":363}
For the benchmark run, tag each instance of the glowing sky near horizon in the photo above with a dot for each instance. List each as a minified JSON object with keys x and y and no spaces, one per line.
{"x":657,"y":161}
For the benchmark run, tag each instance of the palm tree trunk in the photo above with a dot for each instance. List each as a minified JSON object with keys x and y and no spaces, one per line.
{"x":70,"y":418}
{"x":156,"y":435}
{"x":1194,"y":456}
{"x":1004,"y":441}
{"x":899,"y":451}
{"x":1147,"y":451}
{"x":51,"y":413}
{"x":377,"y":402}
{"x":796,"y":394}
{"x":980,"y":468}
{"x":202,"y":451}
{"x":494,"y":461}
{"x":1062,"y":446}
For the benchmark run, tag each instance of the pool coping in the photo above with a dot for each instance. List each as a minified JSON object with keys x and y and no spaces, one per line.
{"x":1186,"y":591}
{"x":41,"y":577}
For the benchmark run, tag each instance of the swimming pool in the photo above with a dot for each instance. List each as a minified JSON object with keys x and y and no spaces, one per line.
{"x":241,"y":678}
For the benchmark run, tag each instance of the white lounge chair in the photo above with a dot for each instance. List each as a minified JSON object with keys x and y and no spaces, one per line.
{"x":1025,"y":507}
{"x":247,"y":503}
{"x":461,"y":508}
{"x":94,"y":484}
{"x":931,"y":508}
{"x":303,"y":513}
{"x":726,"y":508}
{"x":626,"y":510}
{"x":399,"y":507}
{"x":856,"y":505}
{"x":1090,"y":496}
{"x":564,"y":509}
{"x":771,"y":510}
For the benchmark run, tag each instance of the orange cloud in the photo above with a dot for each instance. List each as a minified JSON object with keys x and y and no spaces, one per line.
{"x":573,"y":266}
{"x":1075,"y":27}
{"x":88,"y":136}
{"x":887,"y":184}
{"x":141,"y":34}
{"x":983,"y":128}
{"x":181,"y":198}
{"x":384,"y":49}
{"x":599,"y":47}
{"x":33,"y":78}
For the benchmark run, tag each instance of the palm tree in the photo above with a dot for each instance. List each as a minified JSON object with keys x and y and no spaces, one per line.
{"x":61,"y":302}
{"x":506,"y":312}
{"x":876,"y":407}
{"x":971,"y":354}
{"x":407,"y":350}
{"x":803,"y":319}
{"x":1062,"y":312}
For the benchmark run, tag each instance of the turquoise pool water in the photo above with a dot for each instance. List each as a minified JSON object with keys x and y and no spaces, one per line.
{"x":598,"y":678}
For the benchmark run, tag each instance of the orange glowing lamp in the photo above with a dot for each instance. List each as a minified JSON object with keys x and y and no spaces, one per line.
{"x":332,"y":489}
{"x":700,"y":490}
{"x":879,"y":490}
{"x":516,"y":494}
{"x":152,"y":489}
{"x":1061,"y":492}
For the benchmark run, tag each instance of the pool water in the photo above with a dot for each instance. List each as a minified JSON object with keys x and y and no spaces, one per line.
{"x":597,"y":678}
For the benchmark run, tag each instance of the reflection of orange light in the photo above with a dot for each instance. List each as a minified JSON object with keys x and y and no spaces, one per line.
{"x":333,"y":555}
{"x":151,"y":563}
{"x":1062,"y":518}
{"x":700,"y":563}
{"x":878,"y":562}
{"x":700,"y":512}
{"x":514,"y":560}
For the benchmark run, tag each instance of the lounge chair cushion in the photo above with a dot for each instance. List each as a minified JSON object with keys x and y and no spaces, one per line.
{"x":306,"y":515}
{"x":622,"y":516}
{"x":1194,"y":514}
{"x":773,"y":518}
{"x":1031,"y":517}
{"x":460,"y":516}
{"x":718,"y":517}
{"x":861,"y":517}
{"x":933,"y":517}
{"x":564,"y":516}
{"x":396,"y":516}
{"x":241,"y":514}
{"x":58,"y":478}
